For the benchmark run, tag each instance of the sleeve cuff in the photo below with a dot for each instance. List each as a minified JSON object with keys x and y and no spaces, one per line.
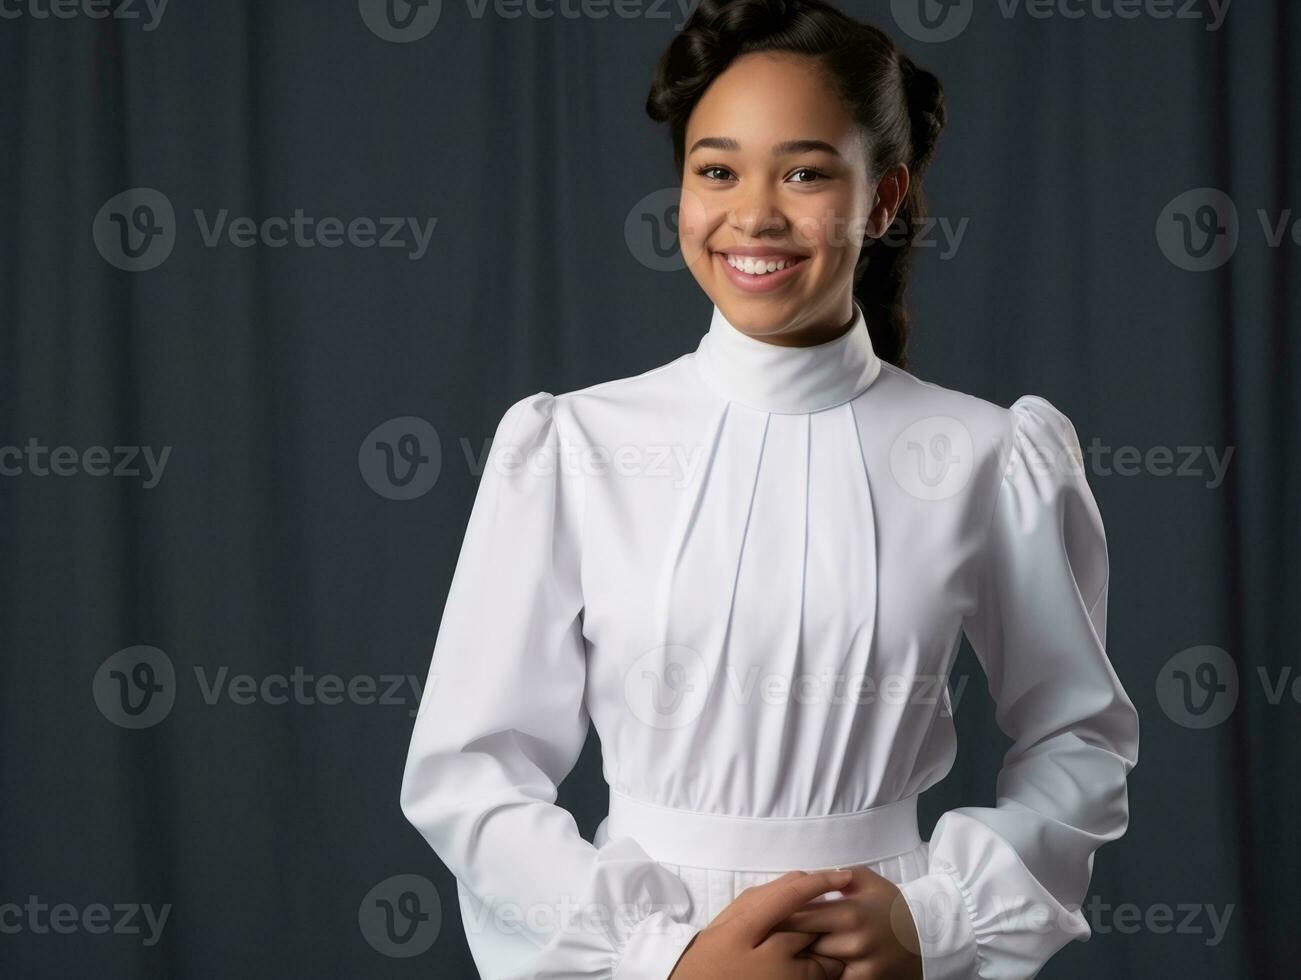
{"x":944,"y":918}
{"x":653,"y":949}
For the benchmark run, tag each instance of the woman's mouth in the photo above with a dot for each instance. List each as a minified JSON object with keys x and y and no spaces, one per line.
{"x":760,"y":273}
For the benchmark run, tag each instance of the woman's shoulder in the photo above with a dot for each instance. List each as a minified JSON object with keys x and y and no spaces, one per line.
{"x":1031,"y":423}
{"x":623,"y":405}
{"x":644,"y":402}
{"x":909,"y":395}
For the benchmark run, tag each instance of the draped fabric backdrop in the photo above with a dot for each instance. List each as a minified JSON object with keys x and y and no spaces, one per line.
{"x":243,"y":415}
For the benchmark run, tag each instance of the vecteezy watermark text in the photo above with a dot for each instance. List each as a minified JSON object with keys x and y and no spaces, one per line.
{"x":937,"y":21}
{"x":137,"y":686}
{"x":90,"y":9}
{"x":137,"y":229}
{"x":64,"y":919}
{"x":37,"y":459}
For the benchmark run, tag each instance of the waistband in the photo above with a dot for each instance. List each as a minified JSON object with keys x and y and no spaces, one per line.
{"x":711,"y":840}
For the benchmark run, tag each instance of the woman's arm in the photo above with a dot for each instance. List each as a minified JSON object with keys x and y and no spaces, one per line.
{"x":501,"y":723}
{"x":1006,"y":883}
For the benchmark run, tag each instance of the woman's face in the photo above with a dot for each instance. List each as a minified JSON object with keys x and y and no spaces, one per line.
{"x":776,"y":172}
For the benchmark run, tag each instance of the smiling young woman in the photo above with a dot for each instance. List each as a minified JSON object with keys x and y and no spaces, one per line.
{"x":763,"y":638}
{"x":801,"y":139}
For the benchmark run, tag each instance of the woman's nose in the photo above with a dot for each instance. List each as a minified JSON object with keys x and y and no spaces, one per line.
{"x":755,"y":219}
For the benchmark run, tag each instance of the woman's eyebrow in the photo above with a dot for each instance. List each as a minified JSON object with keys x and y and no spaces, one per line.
{"x":788,"y":148}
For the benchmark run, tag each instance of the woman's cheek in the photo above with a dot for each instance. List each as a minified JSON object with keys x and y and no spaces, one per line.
{"x":693,"y":226}
{"x":809,"y":231}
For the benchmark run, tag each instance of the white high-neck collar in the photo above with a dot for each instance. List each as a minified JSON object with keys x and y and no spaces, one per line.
{"x":787,"y":380}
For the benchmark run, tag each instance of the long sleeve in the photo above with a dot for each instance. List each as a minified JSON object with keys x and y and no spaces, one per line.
{"x":1005,"y":884}
{"x":501,"y":723}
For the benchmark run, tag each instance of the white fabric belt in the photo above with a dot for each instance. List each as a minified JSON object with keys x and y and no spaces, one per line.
{"x":711,"y":840}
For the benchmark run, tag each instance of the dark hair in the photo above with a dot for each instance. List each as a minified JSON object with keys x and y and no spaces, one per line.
{"x":899,"y":106}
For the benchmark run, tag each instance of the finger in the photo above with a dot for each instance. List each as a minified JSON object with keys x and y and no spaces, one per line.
{"x":826,"y":967}
{"x":781,"y":897}
{"x":846,"y":946}
{"x":787,"y":945}
{"x":863,"y":876}
{"x":833,"y":916}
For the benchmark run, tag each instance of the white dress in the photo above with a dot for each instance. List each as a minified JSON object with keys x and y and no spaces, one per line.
{"x":750,"y":568}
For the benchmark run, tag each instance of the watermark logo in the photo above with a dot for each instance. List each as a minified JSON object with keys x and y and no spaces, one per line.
{"x":403,"y":21}
{"x":932,"y":21}
{"x":135,"y":687}
{"x":1020,"y":912}
{"x":1120,"y":10}
{"x":663,"y":230}
{"x":401,"y":916}
{"x":1198,"y":687}
{"x":302,"y":688}
{"x":1198,"y":231}
{"x":400,"y":21}
{"x":780,"y":687}
{"x":936,"y":21}
{"x":400,"y":459}
{"x":933,"y":231}
{"x":658,"y":225}
{"x":932,"y":459}
{"x":1179,"y":461}
{"x":1202,"y":919}
{"x":667,"y":686}
{"x":135,"y":230}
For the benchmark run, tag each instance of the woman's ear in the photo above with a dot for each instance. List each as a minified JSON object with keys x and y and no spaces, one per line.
{"x":891,"y":190}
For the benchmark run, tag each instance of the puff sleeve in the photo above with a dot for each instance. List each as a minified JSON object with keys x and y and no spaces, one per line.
{"x":502,"y":721}
{"x":1005,"y":884}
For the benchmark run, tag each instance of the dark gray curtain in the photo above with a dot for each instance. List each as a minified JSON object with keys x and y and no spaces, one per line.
{"x":220,"y":597}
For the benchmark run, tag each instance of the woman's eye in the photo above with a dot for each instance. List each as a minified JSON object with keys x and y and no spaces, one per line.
{"x":708,"y":171}
{"x":714,"y":172}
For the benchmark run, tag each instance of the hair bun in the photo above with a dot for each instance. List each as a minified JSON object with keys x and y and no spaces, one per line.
{"x":926,"y":109}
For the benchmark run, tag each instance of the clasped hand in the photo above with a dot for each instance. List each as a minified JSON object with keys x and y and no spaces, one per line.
{"x":786,"y":929}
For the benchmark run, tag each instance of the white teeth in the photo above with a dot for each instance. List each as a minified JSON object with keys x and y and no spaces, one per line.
{"x":758,"y":267}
